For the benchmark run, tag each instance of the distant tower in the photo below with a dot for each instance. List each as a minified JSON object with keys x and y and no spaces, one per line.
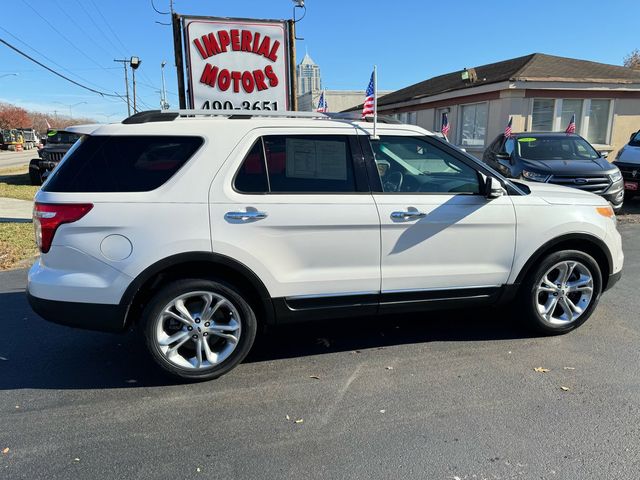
{"x":308,"y":75}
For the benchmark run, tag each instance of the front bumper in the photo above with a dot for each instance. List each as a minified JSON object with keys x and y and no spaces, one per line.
{"x":89,"y":316}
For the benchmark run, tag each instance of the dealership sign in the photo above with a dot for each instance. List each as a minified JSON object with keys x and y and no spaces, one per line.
{"x":237,"y":64}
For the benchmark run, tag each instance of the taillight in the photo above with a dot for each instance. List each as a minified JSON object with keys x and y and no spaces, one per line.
{"x":47,"y":217}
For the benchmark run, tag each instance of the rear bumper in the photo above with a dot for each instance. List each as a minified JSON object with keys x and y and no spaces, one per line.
{"x":89,"y":316}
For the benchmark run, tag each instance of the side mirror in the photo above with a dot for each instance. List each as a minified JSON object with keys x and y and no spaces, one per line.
{"x":493,"y":188}
{"x":604,"y":154}
{"x":504,"y":156}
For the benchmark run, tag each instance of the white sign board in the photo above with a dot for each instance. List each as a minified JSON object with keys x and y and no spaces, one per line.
{"x":237,"y":64}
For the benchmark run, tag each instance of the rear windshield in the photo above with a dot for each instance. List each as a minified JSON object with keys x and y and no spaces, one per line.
{"x":555,"y":148}
{"x":58,"y":136}
{"x":121,"y":163}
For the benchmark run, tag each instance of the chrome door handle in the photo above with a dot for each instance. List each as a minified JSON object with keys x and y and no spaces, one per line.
{"x":245,"y":216}
{"x":407,"y":215}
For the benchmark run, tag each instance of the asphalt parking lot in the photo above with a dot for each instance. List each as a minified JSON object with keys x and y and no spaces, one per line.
{"x":449,"y":395}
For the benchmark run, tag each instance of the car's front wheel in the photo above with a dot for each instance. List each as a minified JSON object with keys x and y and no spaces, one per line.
{"x":198,"y":329}
{"x":562,"y":292}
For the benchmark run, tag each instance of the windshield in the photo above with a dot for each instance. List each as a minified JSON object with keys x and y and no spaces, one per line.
{"x":635,"y":141}
{"x":555,"y":148}
{"x":57,"y":136}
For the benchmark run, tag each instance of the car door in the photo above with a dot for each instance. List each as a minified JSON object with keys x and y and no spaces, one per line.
{"x":296,"y":209}
{"x":440,"y":236}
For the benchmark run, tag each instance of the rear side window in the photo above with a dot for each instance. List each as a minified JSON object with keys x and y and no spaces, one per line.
{"x":122,"y":163}
{"x":298,"y":164}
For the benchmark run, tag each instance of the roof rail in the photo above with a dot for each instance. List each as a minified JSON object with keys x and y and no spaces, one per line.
{"x":349,"y":116}
{"x":169,"y":115}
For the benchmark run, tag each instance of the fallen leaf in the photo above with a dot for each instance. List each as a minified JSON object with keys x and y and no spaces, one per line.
{"x":323,"y":341}
{"x":382,"y":411}
{"x":300,"y":420}
{"x":565,"y":389}
{"x":17,"y":406}
{"x":288,"y":417}
{"x":569,"y":368}
{"x":509,"y":352}
{"x":198,"y":469}
{"x":315,"y":377}
{"x":76,"y":459}
{"x":541,"y":369}
{"x":389,"y":368}
{"x":5,"y":450}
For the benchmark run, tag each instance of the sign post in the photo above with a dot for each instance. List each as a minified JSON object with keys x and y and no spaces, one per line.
{"x":237,"y":64}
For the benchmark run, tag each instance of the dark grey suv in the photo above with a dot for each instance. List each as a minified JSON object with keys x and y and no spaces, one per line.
{"x":559,"y":158}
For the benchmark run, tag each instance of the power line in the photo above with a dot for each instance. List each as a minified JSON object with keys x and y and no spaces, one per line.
{"x":109,"y":26}
{"x":79,"y":27}
{"x":103,"y":94}
{"x":97,"y":25}
{"x":63,"y":35}
{"x":51,"y":60}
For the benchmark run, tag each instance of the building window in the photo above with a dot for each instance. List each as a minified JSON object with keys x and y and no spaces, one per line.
{"x":592,"y":117}
{"x":474,"y":125}
{"x":598,"y":121}
{"x":571,"y":107}
{"x":542,"y":115}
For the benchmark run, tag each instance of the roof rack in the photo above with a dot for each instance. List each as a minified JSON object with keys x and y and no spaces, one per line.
{"x":170,"y":115}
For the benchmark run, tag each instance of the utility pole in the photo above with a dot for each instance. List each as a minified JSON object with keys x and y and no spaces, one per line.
{"x":126,"y":84}
{"x":134,"y":63}
{"x":164,"y":105}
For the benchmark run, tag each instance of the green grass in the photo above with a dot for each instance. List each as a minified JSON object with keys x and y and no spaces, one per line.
{"x":14,"y":183}
{"x":17,"y":245}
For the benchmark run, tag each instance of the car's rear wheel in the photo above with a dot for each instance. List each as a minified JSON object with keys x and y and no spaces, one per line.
{"x":198,"y":329}
{"x":562,"y":291}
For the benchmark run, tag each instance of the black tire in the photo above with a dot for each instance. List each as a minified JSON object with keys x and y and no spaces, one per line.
{"x":247,"y":321}
{"x":34,"y":172}
{"x":529,"y":296}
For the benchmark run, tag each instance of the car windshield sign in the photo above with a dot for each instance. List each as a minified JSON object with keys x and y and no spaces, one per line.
{"x":555,"y":148}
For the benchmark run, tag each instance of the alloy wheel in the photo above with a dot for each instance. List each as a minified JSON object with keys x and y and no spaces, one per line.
{"x":198,"y":330}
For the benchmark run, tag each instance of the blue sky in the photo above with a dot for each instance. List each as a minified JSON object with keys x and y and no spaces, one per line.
{"x":409,"y":41}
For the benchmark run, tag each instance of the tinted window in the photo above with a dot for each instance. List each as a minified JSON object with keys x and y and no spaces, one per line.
{"x":297,"y":164}
{"x":555,"y":148}
{"x":252,"y":177}
{"x":121,"y":163}
{"x":409,"y":164}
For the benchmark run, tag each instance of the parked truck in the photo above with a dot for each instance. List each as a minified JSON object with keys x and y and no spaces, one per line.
{"x":11,"y":139}
{"x":30,"y":138}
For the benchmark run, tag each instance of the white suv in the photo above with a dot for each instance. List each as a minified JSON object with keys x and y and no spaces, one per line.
{"x":199,"y":227}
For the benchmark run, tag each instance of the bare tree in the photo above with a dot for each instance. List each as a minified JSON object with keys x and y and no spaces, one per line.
{"x":633,"y":60}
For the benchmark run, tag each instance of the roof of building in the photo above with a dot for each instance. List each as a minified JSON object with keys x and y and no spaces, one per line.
{"x":307,"y":60}
{"x":534,"y":67}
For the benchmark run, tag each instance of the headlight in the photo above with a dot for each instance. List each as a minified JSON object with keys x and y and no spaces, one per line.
{"x":536,"y":177}
{"x":615,"y":176}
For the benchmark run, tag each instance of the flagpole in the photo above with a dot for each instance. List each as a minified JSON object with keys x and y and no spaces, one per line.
{"x":375,"y":101}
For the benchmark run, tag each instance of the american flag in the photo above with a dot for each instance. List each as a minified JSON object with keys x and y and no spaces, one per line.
{"x":571,"y":128}
{"x":445,"y":125}
{"x":367,"y":109}
{"x":323,"y":106}
{"x":507,"y":130}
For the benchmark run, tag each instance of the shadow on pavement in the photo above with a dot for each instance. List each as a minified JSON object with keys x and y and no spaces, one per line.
{"x":37,"y":354}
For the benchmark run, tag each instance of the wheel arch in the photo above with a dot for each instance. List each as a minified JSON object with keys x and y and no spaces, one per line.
{"x":196,"y":265}
{"x":583,"y":242}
